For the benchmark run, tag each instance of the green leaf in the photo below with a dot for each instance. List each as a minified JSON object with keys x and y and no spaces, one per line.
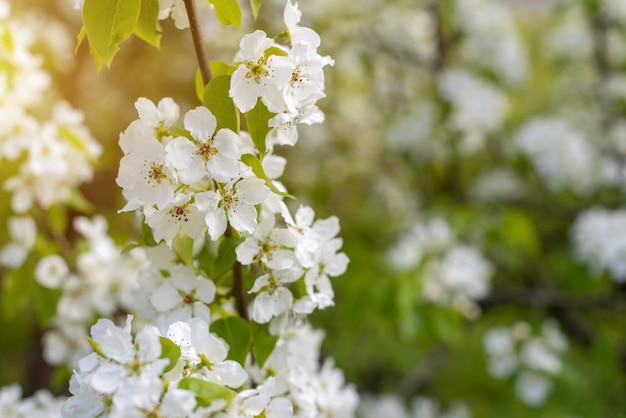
{"x":80,"y":38}
{"x":79,"y":202}
{"x":148,"y":237}
{"x":275,"y":51}
{"x":46,"y":305}
{"x":258,"y":118}
{"x":57,"y":218}
{"x":183,"y":245}
{"x":108,"y":23}
{"x":520,"y":232}
{"x":257,"y":168}
{"x":219,"y":68}
{"x":217,"y":100}
{"x":263,"y":342}
{"x":236,"y":332}
{"x":228,"y":12}
{"x":255,"y":5}
{"x":206,"y":392}
{"x":96,"y":347}
{"x":17,"y":289}
{"x":226,"y":257}
{"x":148,"y":28}
{"x":170,"y":351}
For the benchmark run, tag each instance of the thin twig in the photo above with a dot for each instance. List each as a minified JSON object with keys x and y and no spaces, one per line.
{"x":198,"y":43}
{"x":424,"y":372}
{"x":238,"y":291}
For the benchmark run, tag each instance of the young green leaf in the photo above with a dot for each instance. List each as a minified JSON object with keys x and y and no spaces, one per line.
{"x":258,"y":127}
{"x":107,"y":24}
{"x":219,"y":68}
{"x":255,"y":5}
{"x":170,"y":351}
{"x":46,"y":305}
{"x":257,"y":168}
{"x":236,"y":332}
{"x":183,"y":245}
{"x":148,"y":28}
{"x":226,"y":257}
{"x":263,"y":342}
{"x":228,"y":12}
{"x":217,"y":100}
{"x":206,"y":392}
{"x":96,"y":347}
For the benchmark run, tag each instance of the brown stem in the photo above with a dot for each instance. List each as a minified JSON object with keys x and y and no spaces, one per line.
{"x":238,"y":291}
{"x":198,"y":43}
{"x":424,"y":372}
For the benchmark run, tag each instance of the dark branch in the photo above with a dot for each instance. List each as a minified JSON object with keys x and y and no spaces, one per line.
{"x":198,"y":43}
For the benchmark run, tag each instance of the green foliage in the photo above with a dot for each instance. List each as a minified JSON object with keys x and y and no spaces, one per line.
{"x":183,"y":245}
{"x":170,"y":351}
{"x":206,"y":392}
{"x":263,"y":342}
{"x":45,"y":305}
{"x":257,"y":168}
{"x":255,"y":5}
{"x":148,"y":27}
{"x":96,"y":347}
{"x":228,"y":12}
{"x":218,"y":101}
{"x":236,"y":332}
{"x":257,"y":119}
{"x":18,"y":286}
{"x":107,"y":24}
{"x":225,"y":259}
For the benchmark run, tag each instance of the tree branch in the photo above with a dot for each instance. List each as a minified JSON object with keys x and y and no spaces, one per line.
{"x":198,"y":43}
{"x":238,"y":291}
{"x":424,"y":372}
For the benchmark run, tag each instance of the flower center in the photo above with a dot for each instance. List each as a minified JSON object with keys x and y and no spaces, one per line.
{"x":179,"y":213}
{"x":156,"y":172}
{"x":257,"y":70}
{"x":206,"y":150}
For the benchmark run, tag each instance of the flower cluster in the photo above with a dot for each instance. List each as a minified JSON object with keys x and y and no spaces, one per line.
{"x":451,"y":274}
{"x":533,"y":359}
{"x":41,"y":404}
{"x":289,"y":82}
{"x":561,"y":154}
{"x":53,"y":156}
{"x":102,"y":282}
{"x":209,"y":191}
{"x":421,"y":407}
{"x":598,"y":237}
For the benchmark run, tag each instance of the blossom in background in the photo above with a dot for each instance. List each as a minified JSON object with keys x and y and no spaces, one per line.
{"x":420,"y":407}
{"x":563,"y":156}
{"x":479,"y":107}
{"x":450,"y":274}
{"x":23,"y":232}
{"x":532,"y":359}
{"x":599,"y":240}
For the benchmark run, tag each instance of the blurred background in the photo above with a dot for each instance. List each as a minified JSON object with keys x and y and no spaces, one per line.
{"x":475,"y":154}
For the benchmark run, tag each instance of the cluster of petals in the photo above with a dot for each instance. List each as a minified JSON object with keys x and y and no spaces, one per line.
{"x":532,"y":359}
{"x":450,"y":273}
{"x":289,"y":80}
{"x":303,"y":248}
{"x":46,"y":139}
{"x":193,"y":182}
